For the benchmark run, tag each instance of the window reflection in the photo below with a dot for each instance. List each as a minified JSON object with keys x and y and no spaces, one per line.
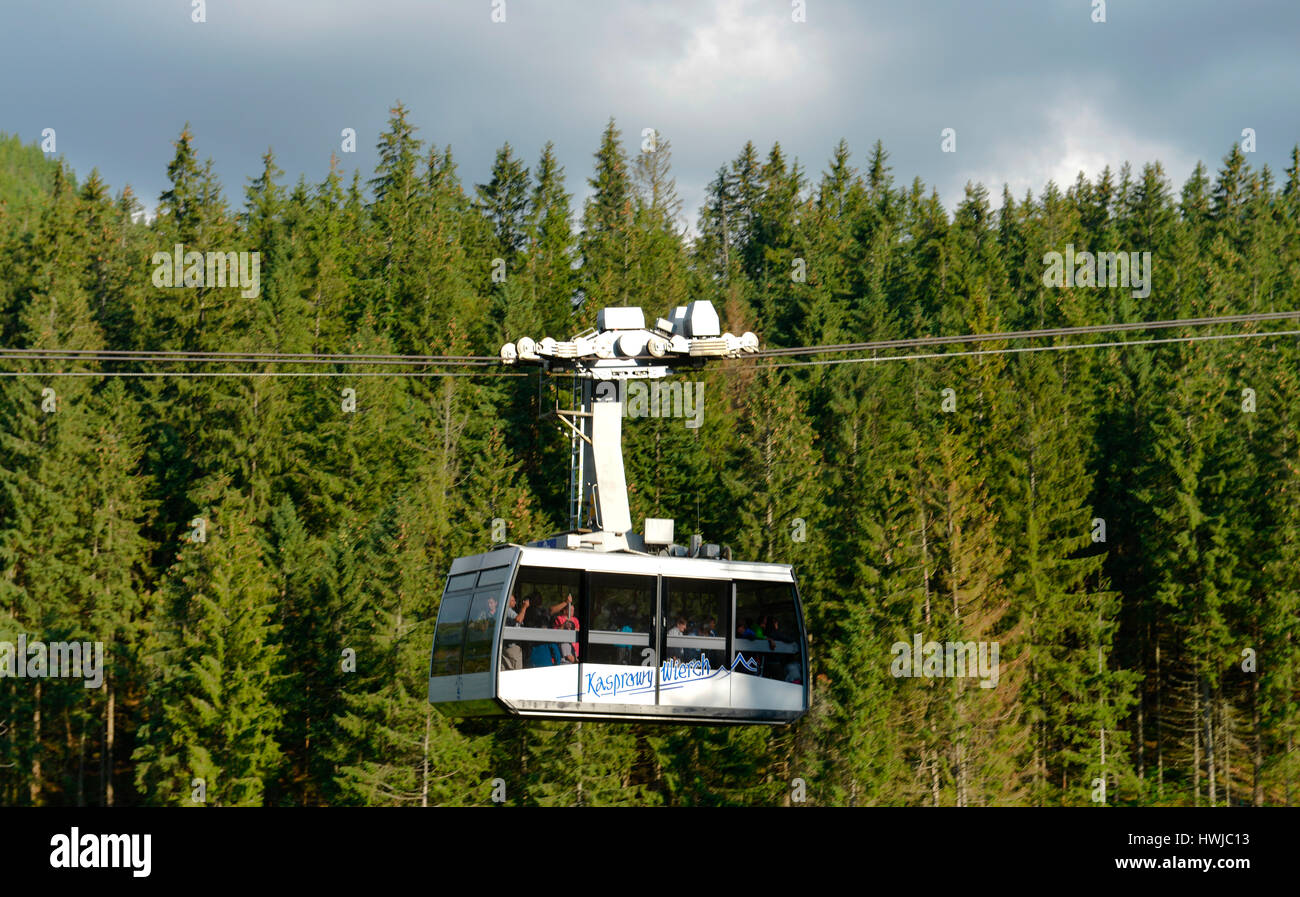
{"x":449,"y":636}
{"x":767,"y":633}
{"x":622,"y":619}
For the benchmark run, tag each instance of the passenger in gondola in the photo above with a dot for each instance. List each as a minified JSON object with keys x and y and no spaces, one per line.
{"x":486,"y":617}
{"x":543,"y":654}
{"x":678,"y":628}
{"x":532,"y":599}
{"x":625,"y":650}
{"x":512,"y":653}
{"x":774,"y":633}
{"x":568,"y":650}
{"x":565,"y":619}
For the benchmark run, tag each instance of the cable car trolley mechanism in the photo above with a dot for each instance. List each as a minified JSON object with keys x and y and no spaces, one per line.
{"x":602,"y":622}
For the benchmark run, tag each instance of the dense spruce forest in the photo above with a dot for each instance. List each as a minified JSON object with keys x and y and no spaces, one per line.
{"x":1123,"y":521}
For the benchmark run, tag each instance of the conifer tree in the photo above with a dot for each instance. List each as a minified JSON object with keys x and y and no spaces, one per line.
{"x":551,"y":248}
{"x":504,"y":201}
{"x":394,"y":748}
{"x":607,"y":223}
{"x":214,"y":663}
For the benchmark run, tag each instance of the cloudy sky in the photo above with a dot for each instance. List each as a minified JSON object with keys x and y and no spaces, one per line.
{"x":1035,"y":90}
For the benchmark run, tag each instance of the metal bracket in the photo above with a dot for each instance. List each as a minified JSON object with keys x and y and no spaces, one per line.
{"x":564,"y":414}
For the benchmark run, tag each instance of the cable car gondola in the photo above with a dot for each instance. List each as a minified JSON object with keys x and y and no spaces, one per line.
{"x":551,"y":632}
{"x":605,"y":623}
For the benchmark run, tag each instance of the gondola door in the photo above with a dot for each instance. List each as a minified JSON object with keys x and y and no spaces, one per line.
{"x":539,"y":643}
{"x":695,"y":616}
{"x":619,"y":657}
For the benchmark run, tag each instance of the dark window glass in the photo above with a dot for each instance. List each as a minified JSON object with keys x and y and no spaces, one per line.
{"x":481,"y":629}
{"x":696,"y":614}
{"x":622,"y":620}
{"x":541,"y":619}
{"x":493,"y":576}
{"x":461,"y":581}
{"x":767,"y":632}
{"x":449,"y":636}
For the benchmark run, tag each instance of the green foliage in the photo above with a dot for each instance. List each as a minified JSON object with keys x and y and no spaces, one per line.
{"x":1122,"y":521}
{"x":213,"y":668}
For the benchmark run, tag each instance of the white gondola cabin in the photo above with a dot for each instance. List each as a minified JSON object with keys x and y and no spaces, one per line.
{"x":546,"y":632}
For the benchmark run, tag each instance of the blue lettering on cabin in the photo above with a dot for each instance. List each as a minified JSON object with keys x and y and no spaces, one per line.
{"x":672,"y":670}
{"x":613,"y":683}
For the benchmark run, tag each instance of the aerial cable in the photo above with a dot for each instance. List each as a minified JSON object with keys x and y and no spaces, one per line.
{"x":1019,"y":349}
{"x":118,"y":356}
{"x":912,"y":342}
{"x":243,"y":357}
{"x":348,"y":374}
